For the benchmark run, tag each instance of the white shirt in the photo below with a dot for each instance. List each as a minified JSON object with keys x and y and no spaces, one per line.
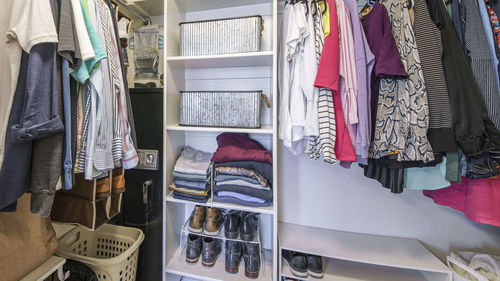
{"x":81,"y":32}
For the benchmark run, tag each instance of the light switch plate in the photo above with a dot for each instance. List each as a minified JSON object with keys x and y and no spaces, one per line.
{"x":148,"y":159}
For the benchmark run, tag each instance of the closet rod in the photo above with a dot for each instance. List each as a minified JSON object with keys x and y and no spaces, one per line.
{"x":146,"y":20}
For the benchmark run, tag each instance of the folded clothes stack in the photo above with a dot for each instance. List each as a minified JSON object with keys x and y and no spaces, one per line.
{"x":243,"y":171}
{"x":191,"y":176}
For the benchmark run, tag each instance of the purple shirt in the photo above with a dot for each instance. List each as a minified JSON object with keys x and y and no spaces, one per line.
{"x":365,"y":61}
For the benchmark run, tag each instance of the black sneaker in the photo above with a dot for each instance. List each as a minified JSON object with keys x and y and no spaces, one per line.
{"x":251,"y":255}
{"x":232,"y":224}
{"x":193,"y":248}
{"x":315,"y":266}
{"x":297,"y":263}
{"x":210,"y":251}
{"x":233,"y":256}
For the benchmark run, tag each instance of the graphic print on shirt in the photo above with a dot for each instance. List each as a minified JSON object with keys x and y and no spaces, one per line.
{"x":403,"y":113}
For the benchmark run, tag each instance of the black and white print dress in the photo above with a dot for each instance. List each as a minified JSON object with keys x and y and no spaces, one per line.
{"x":402,"y":113}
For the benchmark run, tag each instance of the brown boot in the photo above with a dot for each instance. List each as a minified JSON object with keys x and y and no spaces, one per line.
{"x":213,"y":222}
{"x":196,"y":220}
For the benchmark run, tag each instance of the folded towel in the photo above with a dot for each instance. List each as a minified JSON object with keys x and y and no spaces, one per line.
{"x":192,"y":161}
{"x":238,"y":146}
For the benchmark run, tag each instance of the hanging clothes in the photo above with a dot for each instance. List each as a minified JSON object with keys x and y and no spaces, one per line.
{"x":481,"y":62}
{"x":405,"y":134}
{"x":429,"y":45}
{"x":365,"y":61}
{"x":323,"y":145}
{"x":348,"y":83}
{"x":474,"y":131}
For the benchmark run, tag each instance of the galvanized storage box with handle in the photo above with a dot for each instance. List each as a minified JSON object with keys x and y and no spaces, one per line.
{"x":237,"y":109}
{"x":223,"y":36}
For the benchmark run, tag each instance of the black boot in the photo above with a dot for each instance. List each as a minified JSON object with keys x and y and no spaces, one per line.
{"x":193,"y":248}
{"x":210,"y":252}
{"x":251,"y":255}
{"x":232,"y":224}
{"x":233,"y":256}
{"x":248,"y":227}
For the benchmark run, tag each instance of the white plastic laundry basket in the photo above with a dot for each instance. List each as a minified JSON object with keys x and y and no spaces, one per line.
{"x":110,"y":251}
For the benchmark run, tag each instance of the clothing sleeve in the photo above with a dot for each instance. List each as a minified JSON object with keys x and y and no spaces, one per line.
{"x":389,"y":62}
{"x":32,"y":23}
{"x":40,"y":115}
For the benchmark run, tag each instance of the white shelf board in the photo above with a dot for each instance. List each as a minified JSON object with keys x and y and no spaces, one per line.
{"x":45,"y":269}
{"x":339,"y":270}
{"x":265,"y":129}
{"x":264,"y":58}
{"x":363,"y":248}
{"x":209,"y":203}
{"x":179,"y":266}
{"x":200,"y":5}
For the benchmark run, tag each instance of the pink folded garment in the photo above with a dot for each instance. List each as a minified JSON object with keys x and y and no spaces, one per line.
{"x":478,"y":199}
{"x":239,"y":147}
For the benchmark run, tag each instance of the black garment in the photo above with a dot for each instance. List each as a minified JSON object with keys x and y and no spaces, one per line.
{"x":74,"y":118}
{"x":392,"y":179}
{"x":475,"y":133}
{"x":264,"y":169}
{"x":258,"y":193}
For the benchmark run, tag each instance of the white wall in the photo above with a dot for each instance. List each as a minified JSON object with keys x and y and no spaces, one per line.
{"x":316,"y":194}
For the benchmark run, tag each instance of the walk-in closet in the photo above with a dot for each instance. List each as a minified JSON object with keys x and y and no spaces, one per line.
{"x":270,"y":140}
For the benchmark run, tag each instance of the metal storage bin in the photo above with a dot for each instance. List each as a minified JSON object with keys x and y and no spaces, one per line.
{"x":224,"y":36}
{"x":221,"y":109}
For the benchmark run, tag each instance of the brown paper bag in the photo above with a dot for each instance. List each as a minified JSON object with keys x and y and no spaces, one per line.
{"x":26,"y":241}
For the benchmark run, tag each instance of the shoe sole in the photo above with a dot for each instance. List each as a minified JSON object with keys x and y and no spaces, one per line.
{"x":191,"y":261}
{"x":209,"y":265}
{"x":247,"y":237}
{"x":195,"y":230}
{"x":232,"y":270}
{"x":294,"y":272}
{"x":315,"y":274}
{"x":231,"y":235}
{"x":252,"y":275}
{"x":215,"y":233}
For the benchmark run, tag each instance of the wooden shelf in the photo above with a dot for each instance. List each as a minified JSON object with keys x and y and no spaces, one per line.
{"x":209,"y":203}
{"x":178,"y":265}
{"x":265,"y":129}
{"x":264,"y":58}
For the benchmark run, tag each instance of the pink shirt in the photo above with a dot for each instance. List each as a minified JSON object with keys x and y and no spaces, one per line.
{"x":347,"y":70}
{"x":328,"y":69}
{"x":343,"y":145}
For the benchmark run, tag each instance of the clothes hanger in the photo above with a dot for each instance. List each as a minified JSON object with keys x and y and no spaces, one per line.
{"x":324,"y":4}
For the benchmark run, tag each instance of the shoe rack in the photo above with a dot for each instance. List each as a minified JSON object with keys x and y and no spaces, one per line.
{"x":243,"y":71}
{"x":354,"y":256}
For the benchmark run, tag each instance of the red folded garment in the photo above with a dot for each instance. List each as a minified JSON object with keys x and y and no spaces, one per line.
{"x":478,"y":199}
{"x":237,"y":147}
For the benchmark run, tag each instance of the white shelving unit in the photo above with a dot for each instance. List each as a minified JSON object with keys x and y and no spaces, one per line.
{"x":46,"y":269}
{"x":243,"y":71}
{"x":362,"y":257}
